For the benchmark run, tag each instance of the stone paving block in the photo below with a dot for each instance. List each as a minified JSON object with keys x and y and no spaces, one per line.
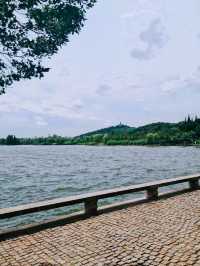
{"x":165,"y":232}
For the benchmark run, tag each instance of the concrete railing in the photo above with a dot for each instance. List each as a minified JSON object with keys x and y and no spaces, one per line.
{"x":90,"y":200}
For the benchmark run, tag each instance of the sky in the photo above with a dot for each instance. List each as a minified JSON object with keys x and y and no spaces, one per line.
{"x":134,"y":62}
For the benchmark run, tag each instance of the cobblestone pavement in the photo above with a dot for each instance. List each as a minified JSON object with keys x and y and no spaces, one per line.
{"x":166,"y":232}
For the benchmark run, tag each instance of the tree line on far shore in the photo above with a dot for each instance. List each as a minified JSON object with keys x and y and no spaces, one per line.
{"x":186,"y":132}
{"x":50,"y":140}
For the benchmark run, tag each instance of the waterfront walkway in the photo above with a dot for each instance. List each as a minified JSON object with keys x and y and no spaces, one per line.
{"x":164,"y":232}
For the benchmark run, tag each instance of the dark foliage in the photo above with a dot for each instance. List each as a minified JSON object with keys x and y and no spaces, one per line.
{"x":11,"y":140}
{"x":33,"y":29}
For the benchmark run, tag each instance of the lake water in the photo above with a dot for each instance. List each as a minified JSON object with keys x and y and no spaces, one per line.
{"x":33,"y":173}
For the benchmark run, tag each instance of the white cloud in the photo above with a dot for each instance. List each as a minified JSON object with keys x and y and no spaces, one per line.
{"x":154,"y":38}
{"x":179,"y":85}
{"x":40,"y":121}
{"x":95,"y":82}
{"x":103,"y":89}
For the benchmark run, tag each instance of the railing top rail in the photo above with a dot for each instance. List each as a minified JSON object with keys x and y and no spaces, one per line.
{"x":66,"y":201}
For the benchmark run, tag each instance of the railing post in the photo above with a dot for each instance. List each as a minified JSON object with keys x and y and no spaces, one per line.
{"x":152,"y":193}
{"x":194,"y":184}
{"x":91,"y":206}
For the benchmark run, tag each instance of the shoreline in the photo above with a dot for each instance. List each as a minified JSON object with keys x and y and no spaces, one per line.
{"x":108,"y":145}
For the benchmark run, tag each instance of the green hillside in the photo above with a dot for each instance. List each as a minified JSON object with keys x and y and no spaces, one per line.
{"x":119,"y":129}
{"x":183,"y":133}
{"x":186,"y":132}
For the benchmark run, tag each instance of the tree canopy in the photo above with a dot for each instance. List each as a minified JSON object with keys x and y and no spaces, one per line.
{"x":33,"y":29}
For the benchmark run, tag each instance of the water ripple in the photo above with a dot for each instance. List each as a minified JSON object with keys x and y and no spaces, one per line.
{"x":32,"y":173}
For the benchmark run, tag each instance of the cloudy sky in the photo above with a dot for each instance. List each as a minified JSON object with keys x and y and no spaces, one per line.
{"x":135,"y":62}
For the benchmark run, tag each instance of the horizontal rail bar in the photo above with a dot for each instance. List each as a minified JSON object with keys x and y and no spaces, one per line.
{"x":95,"y":196}
{"x":16,"y":231}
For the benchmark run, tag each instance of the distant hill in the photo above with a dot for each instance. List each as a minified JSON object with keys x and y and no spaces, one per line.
{"x":186,"y":132}
{"x":154,"y":127}
{"x":119,"y":129}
